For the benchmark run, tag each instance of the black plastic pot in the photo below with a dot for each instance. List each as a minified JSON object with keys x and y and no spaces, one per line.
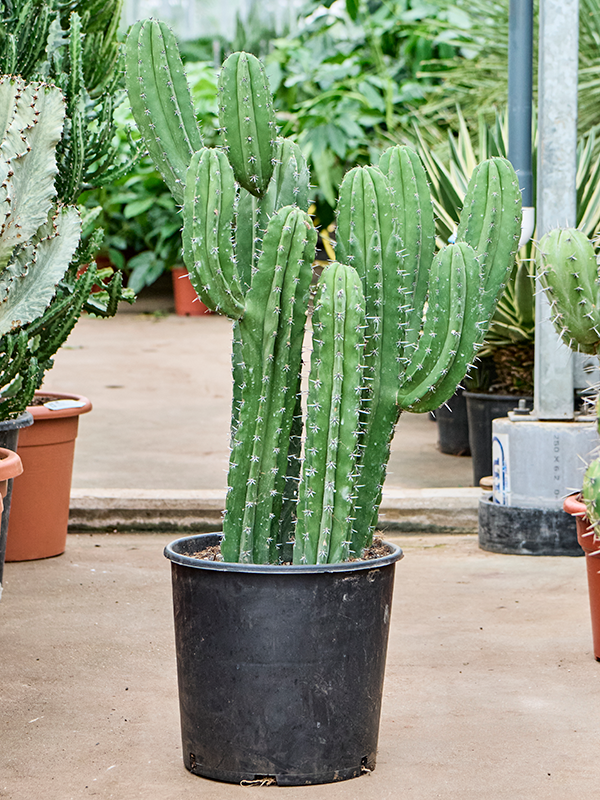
{"x":517,"y":530}
{"x":482,"y":409}
{"x":9,"y":438}
{"x":280,"y":669}
{"x":453,"y":426}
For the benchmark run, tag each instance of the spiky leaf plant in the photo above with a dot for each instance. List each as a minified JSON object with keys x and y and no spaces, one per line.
{"x":393,"y":326}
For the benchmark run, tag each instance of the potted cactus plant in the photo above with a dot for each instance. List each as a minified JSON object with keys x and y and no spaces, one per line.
{"x":568,"y":266}
{"x":281,"y":623}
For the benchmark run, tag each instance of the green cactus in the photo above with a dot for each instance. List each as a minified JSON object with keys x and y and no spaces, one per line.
{"x":330,"y":470}
{"x":247,"y":120}
{"x":393,"y":327}
{"x":569,"y":273}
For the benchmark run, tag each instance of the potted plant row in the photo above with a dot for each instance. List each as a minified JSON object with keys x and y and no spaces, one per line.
{"x":70,"y":148}
{"x":281,"y":623}
{"x":568,"y":267}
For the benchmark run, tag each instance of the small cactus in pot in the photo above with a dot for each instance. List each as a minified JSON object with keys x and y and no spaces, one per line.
{"x":570,"y":275}
{"x":394,"y":326}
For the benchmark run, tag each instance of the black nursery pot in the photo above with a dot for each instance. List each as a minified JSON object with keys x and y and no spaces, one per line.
{"x":280,"y":669}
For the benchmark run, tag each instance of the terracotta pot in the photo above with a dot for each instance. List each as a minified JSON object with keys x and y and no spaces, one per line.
{"x":187,"y":303}
{"x":39,"y":513}
{"x":591,"y":546}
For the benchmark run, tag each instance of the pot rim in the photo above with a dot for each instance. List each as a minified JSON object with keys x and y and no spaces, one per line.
{"x":41,"y":412}
{"x":10,"y":464}
{"x":180,"y":558}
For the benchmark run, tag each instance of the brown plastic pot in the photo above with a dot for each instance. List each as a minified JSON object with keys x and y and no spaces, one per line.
{"x":187,"y":302}
{"x":39,"y":514}
{"x":591,"y":545}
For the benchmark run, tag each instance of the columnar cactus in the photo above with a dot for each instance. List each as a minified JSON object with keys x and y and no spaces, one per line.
{"x":393,"y":327}
{"x":37,"y":239}
{"x":568,"y":268}
{"x":569,"y":273}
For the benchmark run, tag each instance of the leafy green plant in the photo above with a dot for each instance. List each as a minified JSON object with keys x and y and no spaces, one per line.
{"x":476,"y":77}
{"x":394,"y":327}
{"x":348,"y":79}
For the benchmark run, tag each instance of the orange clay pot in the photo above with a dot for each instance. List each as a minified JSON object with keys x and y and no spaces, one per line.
{"x":10,"y":467}
{"x":187,"y":303}
{"x":39,"y":512}
{"x":591,"y":545}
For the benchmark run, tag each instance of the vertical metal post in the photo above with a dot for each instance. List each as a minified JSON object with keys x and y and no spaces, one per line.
{"x":520,"y":85}
{"x":556,"y":188}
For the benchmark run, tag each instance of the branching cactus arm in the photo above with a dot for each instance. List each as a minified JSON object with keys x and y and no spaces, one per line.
{"x":161,"y":102}
{"x":207,"y":232}
{"x":413,"y":211}
{"x":568,"y":269}
{"x":247,"y":121}
{"x":271,"y":333}
{"x":329,"y":472}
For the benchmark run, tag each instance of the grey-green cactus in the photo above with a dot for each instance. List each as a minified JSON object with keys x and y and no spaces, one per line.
{"x":393,"y":327}
{"x":37,"y":239}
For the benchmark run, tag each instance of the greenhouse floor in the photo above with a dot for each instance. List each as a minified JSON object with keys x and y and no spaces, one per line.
{"x":491,"y":688}
{"x":154,"y":450}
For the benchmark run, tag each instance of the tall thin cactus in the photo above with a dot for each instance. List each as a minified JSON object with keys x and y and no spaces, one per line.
{"x":393,"y":327}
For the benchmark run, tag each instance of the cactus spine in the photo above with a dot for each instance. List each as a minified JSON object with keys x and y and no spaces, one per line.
{"x":393,"y":327}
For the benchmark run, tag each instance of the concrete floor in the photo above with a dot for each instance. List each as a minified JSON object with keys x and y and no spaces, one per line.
{"x":491,"y":693}
{"x":161,"y":390}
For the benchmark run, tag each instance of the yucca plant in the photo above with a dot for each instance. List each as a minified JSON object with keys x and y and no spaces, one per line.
{"x":394,"y":325}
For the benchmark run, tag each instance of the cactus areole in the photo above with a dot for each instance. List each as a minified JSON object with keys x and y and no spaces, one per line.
{"x":394,"y":326}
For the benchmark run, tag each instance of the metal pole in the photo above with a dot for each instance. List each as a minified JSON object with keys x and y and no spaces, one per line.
{"x":556,"y":188}
{"x":520,"y":86}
